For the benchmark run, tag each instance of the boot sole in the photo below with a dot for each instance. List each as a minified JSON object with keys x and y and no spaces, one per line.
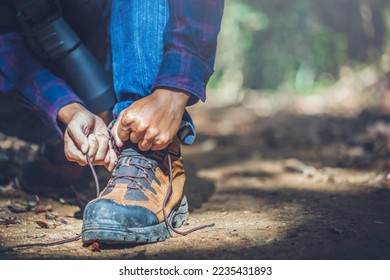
{"x":107,"y":234}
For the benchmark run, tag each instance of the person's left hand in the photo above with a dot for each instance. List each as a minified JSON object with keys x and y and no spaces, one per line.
{"x":85,"y":134}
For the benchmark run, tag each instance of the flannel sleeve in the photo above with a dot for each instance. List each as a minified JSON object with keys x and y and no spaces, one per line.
{"x":21,"y":75}
{"x":190,"y":41}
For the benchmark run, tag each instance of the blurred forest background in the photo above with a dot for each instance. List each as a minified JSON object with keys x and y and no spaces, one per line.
{"x":299,"y":46}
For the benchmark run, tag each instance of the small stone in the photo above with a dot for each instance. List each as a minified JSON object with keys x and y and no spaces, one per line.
{"x":331,"y":179}
{"x":336,"y":230}
{"x":270,"y":240}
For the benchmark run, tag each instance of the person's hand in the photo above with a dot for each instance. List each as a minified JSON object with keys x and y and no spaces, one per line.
{"x":153,"y":121}
{"x":85,"y":134}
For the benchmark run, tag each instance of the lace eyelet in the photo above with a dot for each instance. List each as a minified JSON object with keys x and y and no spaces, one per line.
{"x":147,"y":178}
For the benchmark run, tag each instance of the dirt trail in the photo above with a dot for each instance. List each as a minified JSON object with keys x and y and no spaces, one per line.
{"x":283,"y":186}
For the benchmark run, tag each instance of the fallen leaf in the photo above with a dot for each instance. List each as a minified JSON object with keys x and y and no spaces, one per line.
{"x":94,"y":247}
{"x":336,"y":230}
{"x":42,"y":224}
{"x":50,"y":217}
{"x":36,"y":236}
{"x":8,"y":221}
{"x":43,"y":208}
{"x":16,"y":208}
{"x":29,"y":204}
{"x":64,"y":222}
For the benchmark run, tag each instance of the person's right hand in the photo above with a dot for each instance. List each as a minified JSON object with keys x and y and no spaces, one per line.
{"x":153,"y":121}
{"x":85,"y":134}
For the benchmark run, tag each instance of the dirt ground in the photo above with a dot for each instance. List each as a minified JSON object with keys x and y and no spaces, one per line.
{"x":279,"y":181}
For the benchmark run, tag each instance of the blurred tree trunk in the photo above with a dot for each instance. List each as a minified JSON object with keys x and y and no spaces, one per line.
{"x":362,"y":21}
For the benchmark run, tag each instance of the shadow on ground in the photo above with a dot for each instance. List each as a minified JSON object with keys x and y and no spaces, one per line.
{"x":346,"y":226}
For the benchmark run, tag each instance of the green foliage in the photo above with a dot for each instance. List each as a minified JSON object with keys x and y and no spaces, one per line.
{"x":295,"y":44}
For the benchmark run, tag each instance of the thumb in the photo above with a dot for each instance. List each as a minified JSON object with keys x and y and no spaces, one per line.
{"x":77,"y":135}
{"x":114,"y":132}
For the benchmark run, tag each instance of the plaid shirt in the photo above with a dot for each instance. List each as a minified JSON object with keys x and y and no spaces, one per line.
{"x":189,"y":52}
{"x":190,"y":41}
{"x":23,"y":78}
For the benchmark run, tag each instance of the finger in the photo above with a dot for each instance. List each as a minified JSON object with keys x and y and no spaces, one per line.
{"x":109,"y":161}
{"x":72,"y":153}
{"x":93,"y":146}
{"x":114,"y":131}
{"x":113,"y":159}
{"x":103,"y":148}
{"x":125,"y":126}
{"x":145,"y":145}
{"x":137,"y":131}
{"x":148,"y":140}
{"x":151,"y":135}
{"x":161,"y":143}
{"x":77,"y":157}
{"x":136,"y":136}
{"x":75,"y":132}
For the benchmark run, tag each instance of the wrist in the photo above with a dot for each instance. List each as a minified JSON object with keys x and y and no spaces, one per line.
{"x":67,"y":112}
{"x":180,"y":97}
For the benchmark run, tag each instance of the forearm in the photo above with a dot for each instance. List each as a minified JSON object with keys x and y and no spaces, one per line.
{"x":66,"y":113}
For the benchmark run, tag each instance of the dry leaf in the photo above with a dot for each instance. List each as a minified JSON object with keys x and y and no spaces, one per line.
{"x":29,"y":204}
{"x":43,"y":208}
{"x":50,"y":217}
{"x":7,"y":221}
{"x":42,"y":224}
{"x":16,"y":208}
{"x":94,"y":247}
{"x":336,"y":230}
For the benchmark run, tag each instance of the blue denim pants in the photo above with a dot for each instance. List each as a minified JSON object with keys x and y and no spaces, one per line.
{"x":136,"y":37}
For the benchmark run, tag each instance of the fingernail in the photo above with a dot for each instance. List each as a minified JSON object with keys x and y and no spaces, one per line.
{"x":84,"y":148}
{"x":118,"y":142}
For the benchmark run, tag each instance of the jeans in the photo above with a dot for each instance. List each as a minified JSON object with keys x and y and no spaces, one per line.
{"x":137,"y":48}
{"x":136,"y":36}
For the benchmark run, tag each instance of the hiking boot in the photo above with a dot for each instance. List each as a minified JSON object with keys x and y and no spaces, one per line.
{"x":143,"y":200}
